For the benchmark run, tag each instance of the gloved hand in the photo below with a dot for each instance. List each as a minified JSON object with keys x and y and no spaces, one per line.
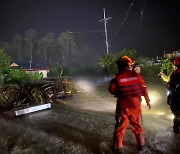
{"x":147,"y":101}
{"x":148,"y":104}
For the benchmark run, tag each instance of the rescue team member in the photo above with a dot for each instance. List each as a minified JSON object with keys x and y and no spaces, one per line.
{"x":137,"y":68}
{"x":126,"y":85}
{"x":174,"y":98}
{"x":165,"y":77}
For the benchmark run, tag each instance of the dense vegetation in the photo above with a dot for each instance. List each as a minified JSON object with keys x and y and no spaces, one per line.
{"x":18,"y":87}
{"x":49,"y":49}
{"x":166,"y":66}
{"x":107,"y":63}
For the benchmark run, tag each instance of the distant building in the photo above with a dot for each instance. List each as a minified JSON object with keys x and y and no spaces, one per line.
{"x":34,"y":68}
{"x":14,"y":65}
{"x":172,"y":54}
{"x":169,"y":55}
{"x":176,"y":53}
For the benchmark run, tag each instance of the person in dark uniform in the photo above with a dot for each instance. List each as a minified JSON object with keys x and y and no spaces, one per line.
{"x":173,"y":98}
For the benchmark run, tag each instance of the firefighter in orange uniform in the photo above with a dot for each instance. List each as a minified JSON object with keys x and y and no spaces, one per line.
{"x":127,"y":86}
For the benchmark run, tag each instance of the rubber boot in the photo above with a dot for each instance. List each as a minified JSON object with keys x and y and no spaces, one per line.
{"x":176,"y":125}
{"x":140,"y":141}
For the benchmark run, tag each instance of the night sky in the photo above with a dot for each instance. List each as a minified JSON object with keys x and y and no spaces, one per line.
{"x":150,"y":26}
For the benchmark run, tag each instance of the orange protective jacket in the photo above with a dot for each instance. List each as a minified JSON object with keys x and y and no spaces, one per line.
{"x":128,"y":87}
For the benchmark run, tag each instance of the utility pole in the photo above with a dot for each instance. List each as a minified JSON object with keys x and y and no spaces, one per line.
{"x":30,"y":50}
{"x":105,"y":29}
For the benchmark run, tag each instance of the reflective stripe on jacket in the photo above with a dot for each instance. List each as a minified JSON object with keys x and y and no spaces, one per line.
{"x":126,"y":83}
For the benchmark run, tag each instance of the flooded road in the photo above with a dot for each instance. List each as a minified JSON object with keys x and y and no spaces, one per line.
{"x":85,"y":123}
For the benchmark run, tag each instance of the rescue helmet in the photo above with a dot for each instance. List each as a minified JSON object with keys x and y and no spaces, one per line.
{"x":125,"y":59}
{"x":123,"y":62}
{"x":177,"y":62}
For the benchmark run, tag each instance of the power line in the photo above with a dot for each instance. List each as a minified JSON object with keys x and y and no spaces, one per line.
{"x":37,"y":33}
{"x":124,"y":19}
{"x":86,"y":32}
{"x":142,"y":13}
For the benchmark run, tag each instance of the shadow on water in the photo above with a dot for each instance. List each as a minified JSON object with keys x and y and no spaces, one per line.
{"x":85,"y":138}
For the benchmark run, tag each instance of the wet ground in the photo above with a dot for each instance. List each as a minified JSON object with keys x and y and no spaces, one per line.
{"x":85,"y":123}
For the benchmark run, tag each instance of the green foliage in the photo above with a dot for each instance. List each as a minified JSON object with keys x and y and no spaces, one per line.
{"x":73,"y":71}
{"x":4,"y":59}
{"x":1,"y":78}
{"x":68,"y":71}
{"x":14,"y":76}
{"x":150,"y":71}
{"x":143,"y":61}
{"x":166,"y":66}
{"x":54,"y":72}
{"x":4,"y":65}
{"x":107,"y":62}
{"x":34,"y":77}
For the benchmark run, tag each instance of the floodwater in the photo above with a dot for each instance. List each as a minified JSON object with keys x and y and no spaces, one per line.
{"x":85,"y":123}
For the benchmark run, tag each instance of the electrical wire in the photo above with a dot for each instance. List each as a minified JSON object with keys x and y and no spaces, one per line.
{"x":142,"y":13}
{"x":124,"y":19}
{"x":86,"y":32}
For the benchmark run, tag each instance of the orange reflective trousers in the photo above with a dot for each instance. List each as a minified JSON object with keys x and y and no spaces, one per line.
{"x":128,"y":110}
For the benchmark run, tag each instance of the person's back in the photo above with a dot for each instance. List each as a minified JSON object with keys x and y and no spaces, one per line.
{"x":127,"y":87}
{"x":128,"y":91}
{"x":129,"y":83}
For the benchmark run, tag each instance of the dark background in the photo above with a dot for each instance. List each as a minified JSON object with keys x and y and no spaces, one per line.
{"x":155,"y":31}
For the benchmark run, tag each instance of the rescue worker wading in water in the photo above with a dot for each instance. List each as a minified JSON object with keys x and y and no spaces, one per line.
{"x":128,"y":87}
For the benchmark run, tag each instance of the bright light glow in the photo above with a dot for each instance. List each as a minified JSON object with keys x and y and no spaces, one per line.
{"x":154,"y":97}
{"x":160,"y":113}
{"x":168,"y":93}
{"x":89,"y":86}
{"x":85,"y":86}
{"x":171,"y":116}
